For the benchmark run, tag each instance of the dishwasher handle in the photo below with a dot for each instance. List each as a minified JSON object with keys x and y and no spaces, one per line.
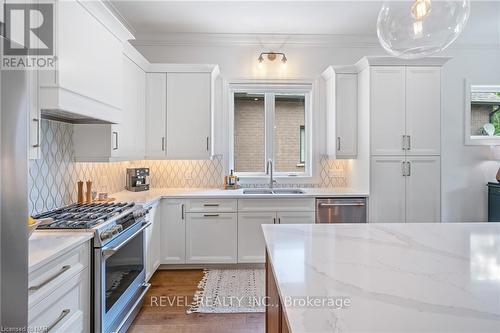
{"x":358,"y":204}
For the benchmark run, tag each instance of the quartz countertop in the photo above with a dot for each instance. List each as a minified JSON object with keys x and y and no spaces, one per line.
{"x":440,"y":277}
{"x":155,"y":194}
{"x":47,"y":245}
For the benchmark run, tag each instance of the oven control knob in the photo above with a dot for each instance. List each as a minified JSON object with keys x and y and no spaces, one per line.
{"x":114,"y":230}
{"x":119,"y":227}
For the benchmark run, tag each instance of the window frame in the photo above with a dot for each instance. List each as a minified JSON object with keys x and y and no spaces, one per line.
{"x":269,"y":90}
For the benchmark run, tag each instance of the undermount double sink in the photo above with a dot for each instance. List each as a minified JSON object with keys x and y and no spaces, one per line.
{"x":273,"y":191}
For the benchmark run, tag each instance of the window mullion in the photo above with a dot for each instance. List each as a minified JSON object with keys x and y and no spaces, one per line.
{"x":269,"y":123}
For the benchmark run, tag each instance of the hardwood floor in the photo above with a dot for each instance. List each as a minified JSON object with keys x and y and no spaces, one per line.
{"x":164,"y":309}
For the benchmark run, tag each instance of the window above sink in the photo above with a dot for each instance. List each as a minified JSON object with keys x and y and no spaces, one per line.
{"x":270,"y":121}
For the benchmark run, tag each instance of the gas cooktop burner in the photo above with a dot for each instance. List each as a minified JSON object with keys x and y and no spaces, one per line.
{"x":82,"y":216}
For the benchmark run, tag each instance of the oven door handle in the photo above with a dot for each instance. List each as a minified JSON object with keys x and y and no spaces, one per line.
{"x":106,"y":252}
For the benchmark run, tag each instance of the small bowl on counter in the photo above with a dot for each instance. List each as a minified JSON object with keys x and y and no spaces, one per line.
{"x":33,"y":224}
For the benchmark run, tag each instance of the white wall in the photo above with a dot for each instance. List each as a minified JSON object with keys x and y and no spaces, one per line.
{"x":466,"y":170}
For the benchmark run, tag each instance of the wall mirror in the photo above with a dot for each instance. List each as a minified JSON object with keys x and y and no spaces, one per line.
{"x":482,"y":114}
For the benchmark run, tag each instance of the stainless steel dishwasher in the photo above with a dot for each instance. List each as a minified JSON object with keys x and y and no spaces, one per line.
{"x":341,"y":210}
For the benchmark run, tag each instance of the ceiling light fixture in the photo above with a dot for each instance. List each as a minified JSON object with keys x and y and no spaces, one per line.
{"x":271,"y":56}
{"x":424,"y":27}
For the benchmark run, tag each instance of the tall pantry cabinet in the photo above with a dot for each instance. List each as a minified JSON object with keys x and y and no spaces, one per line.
{"x":403,"y":103}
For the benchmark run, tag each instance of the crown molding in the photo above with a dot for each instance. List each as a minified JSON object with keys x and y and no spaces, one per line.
{"x":106,"y":17}
{"x":277,"y":41}
{"x":272,"y":41}
{"x":118,"y":16}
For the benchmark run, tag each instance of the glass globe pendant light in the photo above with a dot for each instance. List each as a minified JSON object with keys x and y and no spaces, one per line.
{"x":418,"y":28}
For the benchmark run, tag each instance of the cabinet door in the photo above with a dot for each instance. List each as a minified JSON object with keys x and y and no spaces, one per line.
{"x":387,"y":192}
{"x":152,"y":242}
{"x":188,"y":115}
{"x":423,"y":110}
{"x":251,"y":245}
{"x":89,"y":55}
{"x":173,"y":232}
{"x":296,"y":217}
{"x":156,"y":114}
{"x":387,"y":110}
{"x":124,"y":135}
{"x":346,"y":115}
{"x":211,"y":238}
{"x":423,"y":189}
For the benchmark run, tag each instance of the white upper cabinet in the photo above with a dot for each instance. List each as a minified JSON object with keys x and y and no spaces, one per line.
{"x":180,"y":108}
{"x":387,"y":111}
{"x":122,"y":141}
{"x":188,"y":115}
{"x":423,"y":110}
{"x":341,"y":112}
{"x":405,"y":110}
{"x":88,"y":77}
{"x":156,"y":115}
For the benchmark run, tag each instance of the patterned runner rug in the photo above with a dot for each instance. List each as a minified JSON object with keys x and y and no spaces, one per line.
{"x":230,"y":291}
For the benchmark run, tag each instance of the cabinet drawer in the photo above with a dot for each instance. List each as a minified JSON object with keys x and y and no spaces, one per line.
{"x":276,"y":205}
{"x":49,"y":277}
{"x":212,"y":205}
{"x":66,"y":309}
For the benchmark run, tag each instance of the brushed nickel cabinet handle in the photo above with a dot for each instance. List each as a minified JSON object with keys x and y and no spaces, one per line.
{"x":338,"y":143}
{"x":37,"y":145}
{"x":208,"y":143}
{"x":409,"y":169}
{"x":182,"y":211}
{"x":62,"y":270}
{"x":408,"y":139}
{"x":116,"y":140}
{"x":211,"y":205}
{"x":403,"y":142}
{"x":163,"y":143}
{"x":403,"y":168}
{"x":63,"y":314}
{"x":274,"y":220}
{"x":210,"y":215}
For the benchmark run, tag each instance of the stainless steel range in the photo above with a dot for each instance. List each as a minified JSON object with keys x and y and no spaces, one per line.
{"x":118,"y":257}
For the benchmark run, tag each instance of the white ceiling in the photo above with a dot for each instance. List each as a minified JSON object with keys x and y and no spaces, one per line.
{"x":280,"y":17}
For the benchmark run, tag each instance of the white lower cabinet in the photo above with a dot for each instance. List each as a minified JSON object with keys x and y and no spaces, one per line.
{"x":405,"y":189}
{"x":423,"y":189}
{"x":211,"y":238}
{"x":296,"y":217}
{"x":224,"y":231}
{"x":152,"y":241}
{"x":173,"y":231}
{"x":387,"y":199}
{"x":251,"y":245}
{"x":59,"y":293}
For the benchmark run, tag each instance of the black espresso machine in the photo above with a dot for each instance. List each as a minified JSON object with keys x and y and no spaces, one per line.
{"x":137,"y":179}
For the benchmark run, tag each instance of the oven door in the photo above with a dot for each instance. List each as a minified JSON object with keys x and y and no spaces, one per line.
{"x":119,"y":280}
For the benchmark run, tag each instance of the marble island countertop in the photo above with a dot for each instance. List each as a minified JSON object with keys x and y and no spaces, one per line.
{"x":155,"y":194}
{"x":396,"y":277}
{"x":47,"y":245}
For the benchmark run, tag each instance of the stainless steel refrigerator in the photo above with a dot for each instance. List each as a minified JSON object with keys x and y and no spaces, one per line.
{"x":13,"y":198}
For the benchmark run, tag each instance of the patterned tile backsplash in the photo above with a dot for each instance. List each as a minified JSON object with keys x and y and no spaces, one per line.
{"x":52,"y":179}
